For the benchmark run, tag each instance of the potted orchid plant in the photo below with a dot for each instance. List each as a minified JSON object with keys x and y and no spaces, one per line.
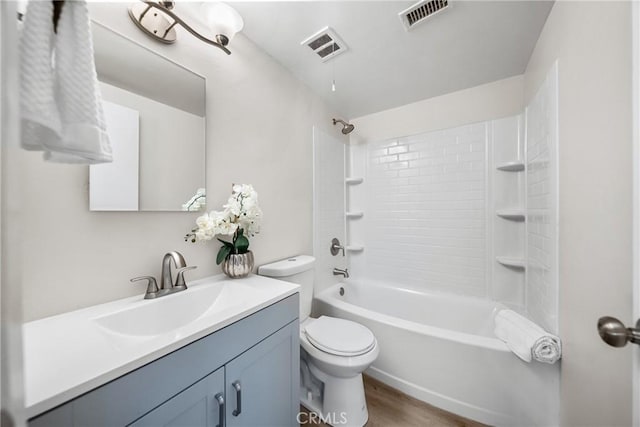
{"x":239,"y":220}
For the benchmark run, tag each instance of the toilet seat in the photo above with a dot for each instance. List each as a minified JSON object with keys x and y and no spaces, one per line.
{"x":339,"y":337}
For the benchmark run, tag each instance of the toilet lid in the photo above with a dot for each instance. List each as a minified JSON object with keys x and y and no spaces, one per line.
{"x":339,"y":336}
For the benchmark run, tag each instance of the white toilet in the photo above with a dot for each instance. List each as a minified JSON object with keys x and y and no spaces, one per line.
{"x":334,"y":352}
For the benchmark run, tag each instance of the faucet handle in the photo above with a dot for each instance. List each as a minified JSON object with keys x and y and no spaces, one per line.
{"x":152,"y":286}
{"x":336,"y":247}
{"x":180,"y":283}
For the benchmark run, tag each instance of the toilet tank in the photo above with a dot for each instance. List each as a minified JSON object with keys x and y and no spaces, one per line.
{"x":298,"y":270}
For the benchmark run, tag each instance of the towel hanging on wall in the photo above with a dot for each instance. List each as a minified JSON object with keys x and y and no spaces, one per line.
{"x":61,"y":104}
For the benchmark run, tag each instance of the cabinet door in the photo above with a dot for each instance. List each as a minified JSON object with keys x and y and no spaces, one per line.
{"x":262,"y":383}
{"x":200,"y":405}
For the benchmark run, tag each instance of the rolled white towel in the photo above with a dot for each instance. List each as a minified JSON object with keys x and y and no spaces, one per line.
{"x":526,"y":339}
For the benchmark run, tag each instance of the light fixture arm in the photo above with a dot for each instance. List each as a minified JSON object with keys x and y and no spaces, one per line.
{"x":177,"y":20}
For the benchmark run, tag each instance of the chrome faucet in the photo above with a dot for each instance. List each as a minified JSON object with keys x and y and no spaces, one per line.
{"x":166,"y":282}
{"x":340,"y":272}
{"x":167,"y":286}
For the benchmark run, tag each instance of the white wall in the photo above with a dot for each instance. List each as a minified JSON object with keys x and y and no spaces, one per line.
{"x":259,"y":131}
{"x":490,"y":101}
{"x":592,"y":42}
{"x":11,"y":374}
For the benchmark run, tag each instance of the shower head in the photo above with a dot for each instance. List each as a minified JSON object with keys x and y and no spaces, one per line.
{"x":347,"y":128}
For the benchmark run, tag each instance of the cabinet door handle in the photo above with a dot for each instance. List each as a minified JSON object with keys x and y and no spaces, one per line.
{"x":220,"y":398}
{"x":238,"y":410}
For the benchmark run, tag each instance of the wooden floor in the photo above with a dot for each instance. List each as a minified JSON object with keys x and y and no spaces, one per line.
{"x":389,"y":407}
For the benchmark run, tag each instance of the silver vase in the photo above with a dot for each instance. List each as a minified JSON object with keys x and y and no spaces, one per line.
{"x":238,"y":265}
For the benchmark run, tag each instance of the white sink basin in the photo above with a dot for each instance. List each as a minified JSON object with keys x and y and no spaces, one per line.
{"x":170,"y":312}
{"x":72,"y":353}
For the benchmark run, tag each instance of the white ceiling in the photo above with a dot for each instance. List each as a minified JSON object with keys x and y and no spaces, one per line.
{"x":471,"y":43}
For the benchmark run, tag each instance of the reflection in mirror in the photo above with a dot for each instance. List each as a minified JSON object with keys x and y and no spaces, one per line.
{"x":155,"y":114}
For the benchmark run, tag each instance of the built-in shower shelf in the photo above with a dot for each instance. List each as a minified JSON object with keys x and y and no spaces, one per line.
{"x":516,"y":166}
{"x":511,"y":214}
{"x":354,"y":180}
{"x":355,"y":248}
{"x":354,"y":215}
{"x":512,"y":262}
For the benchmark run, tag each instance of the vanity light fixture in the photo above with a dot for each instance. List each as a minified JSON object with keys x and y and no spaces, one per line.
{"x":158,"y":20}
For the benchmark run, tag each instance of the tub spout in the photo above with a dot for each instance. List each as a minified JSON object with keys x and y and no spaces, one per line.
{"x":340,"y":272}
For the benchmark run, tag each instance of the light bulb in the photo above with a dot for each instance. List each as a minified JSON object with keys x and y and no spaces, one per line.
{"x":222,"y":19}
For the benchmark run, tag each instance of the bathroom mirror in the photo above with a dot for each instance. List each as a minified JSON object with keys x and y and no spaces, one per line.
{"x":155,"y":114}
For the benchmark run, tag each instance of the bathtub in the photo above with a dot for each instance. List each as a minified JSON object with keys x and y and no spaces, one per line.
{"x":441,"y":349}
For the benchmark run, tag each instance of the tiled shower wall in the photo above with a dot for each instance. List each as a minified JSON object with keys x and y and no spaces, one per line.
{"x":542,"y":202}
{"x":425,"y":210}
{"x":328,"y":204}
{"x":430,"y":204}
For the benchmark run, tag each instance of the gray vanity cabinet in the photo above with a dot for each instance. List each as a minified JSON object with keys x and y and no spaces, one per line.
{"x":202,"y":404}
{"x":261,"y":388}
{"x":249,"y":370}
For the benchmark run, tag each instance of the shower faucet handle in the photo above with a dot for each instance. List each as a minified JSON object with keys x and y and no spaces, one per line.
{"x":336,"y":247}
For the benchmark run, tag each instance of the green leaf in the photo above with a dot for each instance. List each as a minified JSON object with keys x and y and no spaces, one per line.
{"x":222,"y":254}
{"x":227,"y":244}
{"x":242,"y":245}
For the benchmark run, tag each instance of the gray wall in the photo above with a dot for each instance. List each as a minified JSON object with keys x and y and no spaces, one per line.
{"x":259,"y":131}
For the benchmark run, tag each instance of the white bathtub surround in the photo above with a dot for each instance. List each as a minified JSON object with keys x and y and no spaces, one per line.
{"x":526,"y":339}
{"x":507,"y":216}
{"x":447,"y":212}
{"x":440,"y":348}
{"x":328,"y":205}
{"x":469,"y":210}
{"x":425,"y":213}
{"x":542,"y":203}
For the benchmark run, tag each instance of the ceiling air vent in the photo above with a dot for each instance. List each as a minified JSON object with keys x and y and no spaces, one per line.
{"x":325,"y":44}
{"x":420,"y":11}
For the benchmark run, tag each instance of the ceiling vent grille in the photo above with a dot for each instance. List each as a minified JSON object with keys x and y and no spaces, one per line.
{"x":326,"y":44}
{"x":420,"y":11}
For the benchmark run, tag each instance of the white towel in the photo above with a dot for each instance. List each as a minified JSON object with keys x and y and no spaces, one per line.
{"x":526,"y":339}
{"x":61,"y":103}
{"x":40,"y":116}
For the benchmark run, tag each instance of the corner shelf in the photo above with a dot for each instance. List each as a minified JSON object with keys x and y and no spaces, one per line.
{"x":511,"y":214}
{"x":353,"y":180}
{"x":516,"y":166}
{"x":517,"y":263}
{"x":355,"y":248}
{"x":354,"y":215}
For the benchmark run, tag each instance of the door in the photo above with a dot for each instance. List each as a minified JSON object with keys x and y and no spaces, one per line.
{"x":263,"y":382}
{"x":635,"y":7}
{"x":200,"y":405}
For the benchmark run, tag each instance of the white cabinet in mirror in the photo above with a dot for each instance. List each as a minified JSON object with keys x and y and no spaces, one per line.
{"x":155,"y":114}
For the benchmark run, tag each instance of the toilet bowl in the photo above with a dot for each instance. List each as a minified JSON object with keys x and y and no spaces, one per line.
{"x":343,"y":399}
{"x":334,"y":352}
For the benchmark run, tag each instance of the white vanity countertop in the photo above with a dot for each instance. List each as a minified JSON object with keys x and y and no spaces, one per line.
{"x":72,"y":353}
